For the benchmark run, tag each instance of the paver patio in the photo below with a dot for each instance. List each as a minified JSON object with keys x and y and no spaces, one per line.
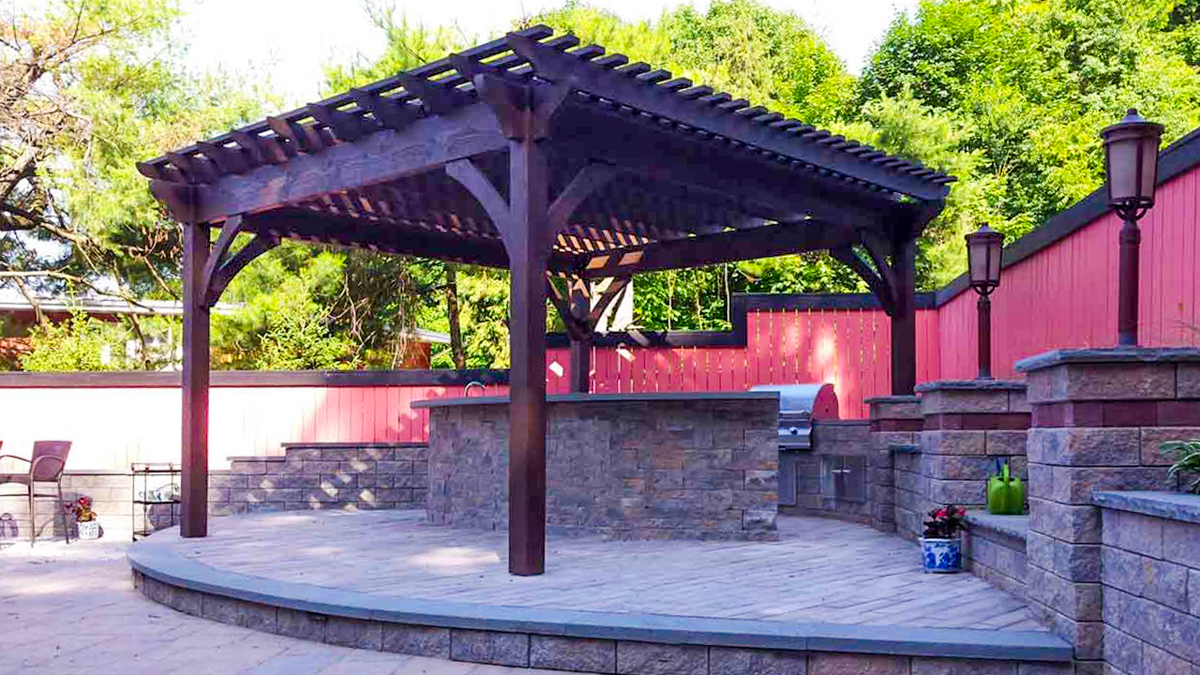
{"x":72,"y":609}
{"x":821,"y":570}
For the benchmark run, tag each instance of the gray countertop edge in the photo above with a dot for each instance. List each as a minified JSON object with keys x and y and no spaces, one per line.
{"x":608,"y":398}
{"x":1013,"y":526}
{"x":158,"y":562}
{"x":1113,"y":355}
{"x":970,"y":385}
{"x":1160,"y":504}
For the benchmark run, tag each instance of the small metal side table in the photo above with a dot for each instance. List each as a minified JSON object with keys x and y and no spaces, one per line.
{"x":154,"y":477}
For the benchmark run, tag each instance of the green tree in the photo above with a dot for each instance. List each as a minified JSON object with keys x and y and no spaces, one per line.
{"x":78,"y":343}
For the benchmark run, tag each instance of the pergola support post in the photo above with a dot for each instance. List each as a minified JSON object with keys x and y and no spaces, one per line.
{"x":528,"y":250}
{"x":194,"y":473}
{"x":581,"y":347}
{"x":904,"y":315}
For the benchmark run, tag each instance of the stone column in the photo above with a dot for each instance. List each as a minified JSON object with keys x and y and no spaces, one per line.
{"x":1098,"y":419}
{"x":968,"y":425}
{"x":895,"y":422}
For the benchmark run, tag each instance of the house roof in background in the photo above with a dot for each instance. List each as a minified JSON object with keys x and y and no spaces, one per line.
{"x":152,"y":308}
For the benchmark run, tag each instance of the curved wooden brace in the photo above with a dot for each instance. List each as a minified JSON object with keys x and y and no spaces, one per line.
{"x":222,"y":266}
{"x":879,"y":287}
{"x":480,"y":186}
{"x":589,"y":179}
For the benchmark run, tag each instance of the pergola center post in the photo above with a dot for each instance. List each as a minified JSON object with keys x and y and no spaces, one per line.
{"x":194,"y":473}
{"x":581,"y":348}
{"x":528,"y":251}
{"x":904,"y":316}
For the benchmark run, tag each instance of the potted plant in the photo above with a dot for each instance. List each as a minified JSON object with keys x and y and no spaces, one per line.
{"x":1187,"y":462}
{"x":85,"y":518}
{"x":941,"y":547}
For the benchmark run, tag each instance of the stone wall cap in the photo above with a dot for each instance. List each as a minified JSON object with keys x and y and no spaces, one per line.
{"x":971,"y":385}
{"x":159,"y":558}
{"x":905,"y":448}
{"x":899,"y":398}
{"x":1060,"y":357}
{"x":1013,"y":526}
{"x":258,"y":458}
{"x":1160,"y":504}
{"x":608,"y":398}
{"x":342,"y":444}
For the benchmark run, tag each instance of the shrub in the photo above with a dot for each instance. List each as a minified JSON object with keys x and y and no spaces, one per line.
{"x":1187,"y":461}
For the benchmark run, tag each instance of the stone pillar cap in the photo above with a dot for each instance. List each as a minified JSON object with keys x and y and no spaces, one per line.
{"x":971,"y":385}
{"x":904,"y":398}
{"x":1114,"y":355}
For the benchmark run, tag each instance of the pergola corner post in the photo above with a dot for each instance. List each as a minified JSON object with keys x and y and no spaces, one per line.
{"x":528,"y":250}
{"x":581,"y":346}
{"x":194,"y":470}
{"x":904,"y":315}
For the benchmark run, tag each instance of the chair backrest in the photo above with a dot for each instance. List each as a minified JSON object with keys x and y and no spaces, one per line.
{"x":49,"y":470}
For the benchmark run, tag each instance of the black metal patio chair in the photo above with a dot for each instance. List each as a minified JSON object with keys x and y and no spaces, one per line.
{"x":46,"y":466}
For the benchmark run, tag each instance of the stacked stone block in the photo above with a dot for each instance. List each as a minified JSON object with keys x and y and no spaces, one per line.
{"x":895,"y":422}
{"x":832,"y":438}
{"x":348,"y":476}
{"x":995,"y":550}
{"x":1098,"y":418}
{"x":307,"y":476}
{"x":968,"y":426}
{"x":1150,"y":573}
{"x":704,"y":468}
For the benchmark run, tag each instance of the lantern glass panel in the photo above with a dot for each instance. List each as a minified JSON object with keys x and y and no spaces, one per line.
{"x":1149,"y":166}
{"x":1122,"y":169}
{"x":977,"y":251}
{"x":995,"y":254}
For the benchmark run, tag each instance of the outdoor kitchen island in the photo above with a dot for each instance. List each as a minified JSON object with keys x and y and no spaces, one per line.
{"x":628,"y":466}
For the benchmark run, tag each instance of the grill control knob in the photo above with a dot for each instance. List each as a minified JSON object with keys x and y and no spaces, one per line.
{"x":794,"y":431}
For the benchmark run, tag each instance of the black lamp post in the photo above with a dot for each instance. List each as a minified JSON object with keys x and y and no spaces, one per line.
{"x":1131,"y":168}
{"x":985,"y":249}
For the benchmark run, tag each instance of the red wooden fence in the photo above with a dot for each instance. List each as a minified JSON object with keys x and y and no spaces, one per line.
{"x":1060,"y":292}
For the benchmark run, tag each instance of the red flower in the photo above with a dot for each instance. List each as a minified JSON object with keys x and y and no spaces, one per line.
{"x":941,"y":513}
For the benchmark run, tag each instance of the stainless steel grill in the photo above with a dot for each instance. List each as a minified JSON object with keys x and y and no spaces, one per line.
{"x":799,"y":405}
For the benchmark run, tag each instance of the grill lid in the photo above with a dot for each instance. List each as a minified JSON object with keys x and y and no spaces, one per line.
{"x":818,"y":401}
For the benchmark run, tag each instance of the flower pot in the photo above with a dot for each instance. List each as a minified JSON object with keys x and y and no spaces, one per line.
{"x":89,"y":530}
{"x":942,"y":556}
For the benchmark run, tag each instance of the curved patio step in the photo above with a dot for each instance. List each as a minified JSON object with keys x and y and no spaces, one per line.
{"x":585,"y":641}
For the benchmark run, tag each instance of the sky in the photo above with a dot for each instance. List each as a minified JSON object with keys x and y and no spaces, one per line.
{"x":286,"y":42}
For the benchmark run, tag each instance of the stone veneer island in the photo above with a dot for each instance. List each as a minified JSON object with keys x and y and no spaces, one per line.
{"x":626,"y":466}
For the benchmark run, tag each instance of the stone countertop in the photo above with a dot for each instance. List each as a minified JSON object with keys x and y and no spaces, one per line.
{"x":1114,"y":355}
{"x":1160,"y":504}
{"x":1013,"y":526}
{"x":608,"y":398}
{"x":971,"y":385}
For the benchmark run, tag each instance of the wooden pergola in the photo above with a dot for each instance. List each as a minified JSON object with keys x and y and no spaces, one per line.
{"x":567,"y":166}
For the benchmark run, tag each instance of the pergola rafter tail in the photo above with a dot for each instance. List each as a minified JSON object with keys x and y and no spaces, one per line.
{"x":553,"y":160}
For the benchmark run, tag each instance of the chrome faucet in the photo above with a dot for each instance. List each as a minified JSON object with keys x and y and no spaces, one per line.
{"x":473,"y":383}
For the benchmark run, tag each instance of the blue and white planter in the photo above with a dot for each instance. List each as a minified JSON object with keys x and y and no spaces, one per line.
{"x":942,"y":556}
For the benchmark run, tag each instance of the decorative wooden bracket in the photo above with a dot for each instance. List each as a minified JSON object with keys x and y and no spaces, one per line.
{"x":589,"y":179}
{"x":524,"y":111}
{"x":222,"y":266}
{"x":881,"y":279}
{"x":572,"y":306}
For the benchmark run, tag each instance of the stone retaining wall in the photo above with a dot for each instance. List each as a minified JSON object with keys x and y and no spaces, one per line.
{"x":1150,"y":583}
{"x":895,"y":422}
{"x":704,"y":467}
{"x":558,"y":652}
{"x":995,"y":550}
{"x":307,"y":476}
{"x":1098,"y":419}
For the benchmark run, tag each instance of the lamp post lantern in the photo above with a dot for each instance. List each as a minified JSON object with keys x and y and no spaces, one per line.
{"x":985,"y":250}
{"x":1131,"y":172}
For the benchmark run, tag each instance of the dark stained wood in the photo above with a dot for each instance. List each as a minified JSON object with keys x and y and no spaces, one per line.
{"x":581,"y":346}
{"x":556,"y":65}
{"x":762,"y":242}
{"x":529,"y":236}
{"x":194,"y":475}
{"x":904,"y":317}
{"x":382,"y":156}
